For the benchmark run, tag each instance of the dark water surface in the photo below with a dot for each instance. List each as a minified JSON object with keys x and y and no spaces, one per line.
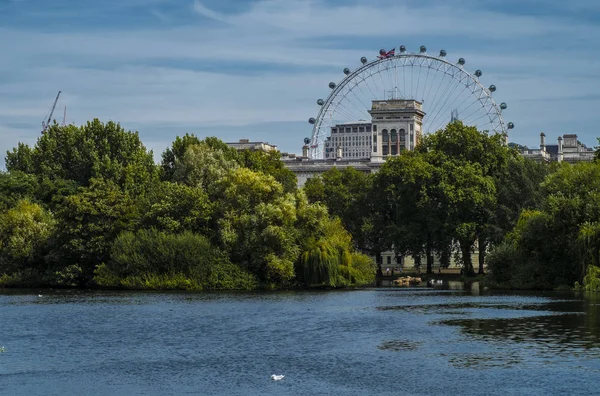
{"x":368,"y":342}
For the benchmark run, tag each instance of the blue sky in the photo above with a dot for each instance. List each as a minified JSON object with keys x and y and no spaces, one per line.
{"x":254,"y":69}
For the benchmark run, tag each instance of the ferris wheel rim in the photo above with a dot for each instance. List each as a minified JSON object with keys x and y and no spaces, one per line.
{"x":485,"y":97}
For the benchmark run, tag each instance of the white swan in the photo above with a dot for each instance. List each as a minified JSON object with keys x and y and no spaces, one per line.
{"x":277,"y":377}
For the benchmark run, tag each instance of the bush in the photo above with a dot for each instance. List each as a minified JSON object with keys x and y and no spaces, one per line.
{"x":150,"y":259}
{"x":591,"y":281}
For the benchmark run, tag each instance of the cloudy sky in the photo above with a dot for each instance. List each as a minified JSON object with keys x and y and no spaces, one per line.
{"x":254,"y":69}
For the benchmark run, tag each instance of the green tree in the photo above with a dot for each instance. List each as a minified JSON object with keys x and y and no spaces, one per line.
{"x":20,"y":159}
{"x":466,"y":146}
{"x":465,"y":194}
{"x":346,"y":195}
{"x":269,"y":163}
{"x":175,"y":153}
{"x":554,"y":245}
{"x":90,"y":151}
{"x":14,"y":187}
{"x":402,"y":191}
{"x":257,"y":225}
{"x":25,"y":232}
{"x":176,"y":207}
{"x":89,"y":222}
{"x":204,"y":167}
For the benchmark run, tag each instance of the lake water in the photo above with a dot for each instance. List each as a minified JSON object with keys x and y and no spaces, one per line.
{"x":381,"y":341}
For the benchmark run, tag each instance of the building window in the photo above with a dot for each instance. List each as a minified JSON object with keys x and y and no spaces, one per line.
{"x":354,"y":129}
{"x":402,"y":134}
{"x":374,"y":128}
{"x":375,"y":139}
{"x":389,"y":260}
{"x":368,"y":128}
{"x":384,"y":136}
{"x":347,"y":130}
{"x":333,"y":130}
{"x":384,"y":150}
{"x":394,"y":136}
{"x":394,"y":149}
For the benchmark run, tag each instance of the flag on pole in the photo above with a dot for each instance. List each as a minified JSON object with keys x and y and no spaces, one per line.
{"x":388,"y":54}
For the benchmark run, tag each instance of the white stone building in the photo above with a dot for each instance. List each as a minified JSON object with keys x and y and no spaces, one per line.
{"x":396,"y":126}
{"x":246,"y":144}
{"x":568,"y":149}
{"x":353,"y":138}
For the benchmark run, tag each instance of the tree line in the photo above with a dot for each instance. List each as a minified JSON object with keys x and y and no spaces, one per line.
{"x":535,"y":225}
{"x":87,"y":206}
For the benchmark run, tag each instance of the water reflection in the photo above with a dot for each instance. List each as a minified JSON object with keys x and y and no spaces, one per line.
{"x":399,"y":345}
{"x":559,"y":331}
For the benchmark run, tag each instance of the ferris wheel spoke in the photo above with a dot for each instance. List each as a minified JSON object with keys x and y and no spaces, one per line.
{"x":433,"y":104}
{"x":353,"y":116}
{"x":473,"y":113}
{"x":444,"y":96}
{"x":390,"y":87}
{"x":404,"y":74}
{"x":418,"y":81}
{"x":426,"y":81}
{"x":436,"y":82}
{"x":403,"y":94}
{"x":475,"y":103}
{"x":467,"y":96}
{"x":382,"y":83}
{"x":478,"y":118}
{"x":360,"y":108}
{"x":375,"y":81}
{"x":446,"y":102}
{"x":367,"y":83}
{"x":366,"y":108}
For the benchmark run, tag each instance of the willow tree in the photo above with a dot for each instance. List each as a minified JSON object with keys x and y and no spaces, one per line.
{"x":328,"y":260}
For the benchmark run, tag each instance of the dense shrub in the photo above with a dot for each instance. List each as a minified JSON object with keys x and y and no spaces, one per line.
{"x":151,"y":259}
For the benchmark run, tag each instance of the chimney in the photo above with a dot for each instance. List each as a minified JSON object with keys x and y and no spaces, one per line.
{"x":560,"y":149}
{"x":339,"y":153}
{"x":305,"y":151}
{"x":543,"y":141}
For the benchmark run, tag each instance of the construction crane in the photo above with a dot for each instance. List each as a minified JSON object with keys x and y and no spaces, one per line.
{"x":46,"y":124}
{"x":65,"y":117}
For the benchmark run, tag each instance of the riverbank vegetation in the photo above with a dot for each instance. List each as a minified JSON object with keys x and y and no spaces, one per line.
{"x":87,"y":206}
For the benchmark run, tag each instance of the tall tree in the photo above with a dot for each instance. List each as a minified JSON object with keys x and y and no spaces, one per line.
{"x":95,"y":149}
{"x":175,"y":153}
{"x":89,"y":222}
{"x":345,"y":193}
{"x":402,"y":190}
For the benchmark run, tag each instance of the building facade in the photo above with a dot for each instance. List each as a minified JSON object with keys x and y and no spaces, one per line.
{"x":246,"y":144}
{"x":568,"y":149}
{"x":395,"y":127}
{"x":354,"y":139}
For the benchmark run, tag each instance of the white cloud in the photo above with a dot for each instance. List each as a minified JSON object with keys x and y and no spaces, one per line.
{"x":317,"y":19}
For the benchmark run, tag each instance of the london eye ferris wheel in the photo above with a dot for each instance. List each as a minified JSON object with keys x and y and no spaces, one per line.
{"x":446,"y":90}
